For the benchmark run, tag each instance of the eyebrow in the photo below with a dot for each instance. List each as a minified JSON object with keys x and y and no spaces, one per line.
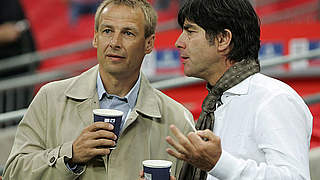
{"x":130,"y":28}
{"x":127,"y":28}
{"x":105,"y":25}
{"x":188,"y":26}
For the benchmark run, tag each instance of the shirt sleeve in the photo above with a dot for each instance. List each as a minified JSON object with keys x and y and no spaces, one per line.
{"x":77,"y":169}
{"x":283,"y":127}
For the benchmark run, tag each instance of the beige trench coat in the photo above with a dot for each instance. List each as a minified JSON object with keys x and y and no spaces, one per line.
{"x":62,"y":109}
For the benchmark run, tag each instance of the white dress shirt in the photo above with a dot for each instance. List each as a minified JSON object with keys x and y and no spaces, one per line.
{"x":265,"y":129}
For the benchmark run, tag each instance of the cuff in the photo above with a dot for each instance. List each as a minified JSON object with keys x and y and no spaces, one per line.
{"x":227,"y":167}
{"x":76,"y":168}
{"x":66,"y":153}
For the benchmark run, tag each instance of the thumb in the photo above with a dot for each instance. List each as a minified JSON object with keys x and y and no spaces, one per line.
{"x":207,"y":134}
{"x":141,"y":174}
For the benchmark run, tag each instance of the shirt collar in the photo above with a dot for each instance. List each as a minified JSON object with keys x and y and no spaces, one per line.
{"x":131,"y":97}
{"x":241,"y":88}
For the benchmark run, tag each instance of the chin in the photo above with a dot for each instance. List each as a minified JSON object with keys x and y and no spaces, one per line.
{"x":192,"y":74}
{"x":188,"y":74}
{"x":187,"y":71}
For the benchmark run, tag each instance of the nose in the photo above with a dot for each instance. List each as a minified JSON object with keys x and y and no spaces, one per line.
{"x":180,"y":43}
{"x":115,"y":40}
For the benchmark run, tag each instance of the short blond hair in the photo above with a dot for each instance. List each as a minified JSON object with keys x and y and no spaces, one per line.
{"x":150,"y":14}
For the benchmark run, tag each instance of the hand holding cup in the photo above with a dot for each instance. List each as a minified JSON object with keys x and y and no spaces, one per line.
{"x":89,"y":142}
{"x":98,"y":138}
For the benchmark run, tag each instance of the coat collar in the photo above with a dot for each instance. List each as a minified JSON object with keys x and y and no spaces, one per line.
{"x":147,"y":102}
{"x":84,"y":87}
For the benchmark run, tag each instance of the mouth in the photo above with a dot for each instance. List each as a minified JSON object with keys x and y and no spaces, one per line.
{"x":184,"y":58}
{"x":115,"y":57}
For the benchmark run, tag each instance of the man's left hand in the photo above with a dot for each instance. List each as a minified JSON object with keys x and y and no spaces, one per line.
{"x":194,"y":150}
{"x":141,"y":176}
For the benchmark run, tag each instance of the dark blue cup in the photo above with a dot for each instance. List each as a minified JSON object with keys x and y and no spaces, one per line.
{"x":111,"y":116}
{"x":156,"y":169}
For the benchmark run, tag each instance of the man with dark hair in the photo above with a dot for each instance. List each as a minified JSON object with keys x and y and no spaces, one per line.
{"x":251,"y":126}
{"x":58,"y":139}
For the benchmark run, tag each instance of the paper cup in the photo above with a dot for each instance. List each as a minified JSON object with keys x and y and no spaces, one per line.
{"x":111,"y":116}
{"x":157,"y":169}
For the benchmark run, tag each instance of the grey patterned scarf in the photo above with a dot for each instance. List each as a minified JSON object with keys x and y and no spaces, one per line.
{"x":233,"y":76}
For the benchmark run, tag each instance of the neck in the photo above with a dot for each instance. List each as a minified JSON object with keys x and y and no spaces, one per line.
{"x":212,"y":80}
{"x":118,"y":85}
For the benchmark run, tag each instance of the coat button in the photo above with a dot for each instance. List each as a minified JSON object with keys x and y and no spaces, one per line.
{"x":52,"y":159}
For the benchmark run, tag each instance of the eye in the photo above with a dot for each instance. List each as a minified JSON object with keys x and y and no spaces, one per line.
{"x":128,"y":33}
{"x":106,"y":31}
{"x":190,"y":31}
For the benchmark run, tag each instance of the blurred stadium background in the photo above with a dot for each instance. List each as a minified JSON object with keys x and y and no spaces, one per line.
{"x":290,"y":52}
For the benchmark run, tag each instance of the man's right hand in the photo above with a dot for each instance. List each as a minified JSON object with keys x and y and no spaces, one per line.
{"x":92,"y":142}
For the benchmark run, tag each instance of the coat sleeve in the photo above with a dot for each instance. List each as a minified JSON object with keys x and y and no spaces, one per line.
{"x":186,"y":129}
{"x":30,"y":158}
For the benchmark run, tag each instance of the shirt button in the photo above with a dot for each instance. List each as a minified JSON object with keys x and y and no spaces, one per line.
{"x":52,"y":159}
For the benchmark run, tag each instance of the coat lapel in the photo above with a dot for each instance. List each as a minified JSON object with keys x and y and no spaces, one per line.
{"x":85,"y":110}
{"x":147,"y":103}
{"x":83,"y":90}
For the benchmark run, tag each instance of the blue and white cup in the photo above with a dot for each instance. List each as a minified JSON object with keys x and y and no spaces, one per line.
{"x":111,"y":116}
{"x":157,"y":169}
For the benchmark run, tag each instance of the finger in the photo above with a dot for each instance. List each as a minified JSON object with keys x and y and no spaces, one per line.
{"x":176,"y":154}
{"x":92,"y":144}
{"x":176,"y":145}
{"x":101,"y":151}
{"x":141,"y":174}
{"x":207,"y":134}
{"x":102,"y":143}
{"x":183,"y":140}
{"x":100,"y":125}
{"x":195,"y":139}
{"x":103,"y":134}
{"x":92,"y":152}
{"x":172,"y":178}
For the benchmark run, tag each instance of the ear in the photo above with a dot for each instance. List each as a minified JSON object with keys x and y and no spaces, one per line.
{"x":149,"y":44}
{"x":224,"y":40}
{"x":95,"y":40}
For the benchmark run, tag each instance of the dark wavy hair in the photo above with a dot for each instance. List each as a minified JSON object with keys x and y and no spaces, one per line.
{"x":214,"y":16}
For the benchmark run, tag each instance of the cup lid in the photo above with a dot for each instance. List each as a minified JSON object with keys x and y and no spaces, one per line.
{"x":157,"y":163}
{"x":107,"y":112}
